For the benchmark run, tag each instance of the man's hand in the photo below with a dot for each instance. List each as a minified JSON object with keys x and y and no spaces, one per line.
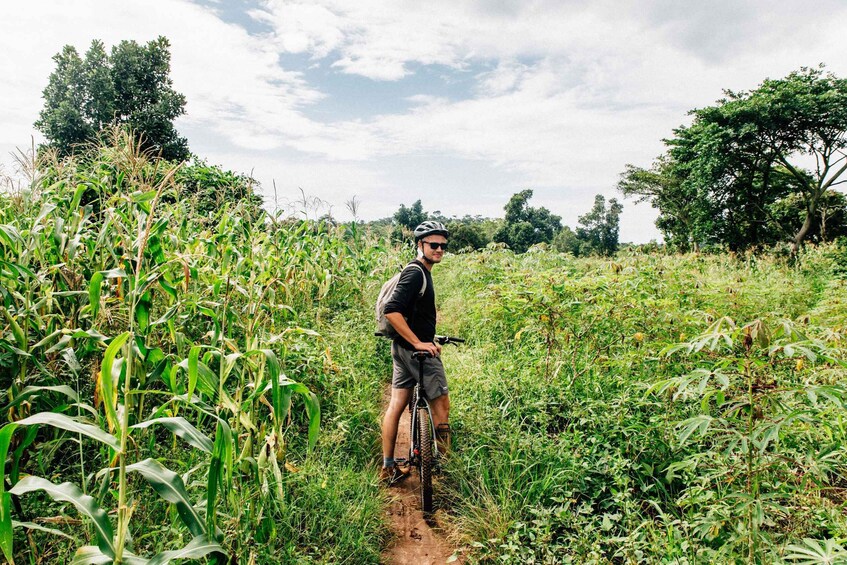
{"x":399,"y":322}
{"x":432,"y":348}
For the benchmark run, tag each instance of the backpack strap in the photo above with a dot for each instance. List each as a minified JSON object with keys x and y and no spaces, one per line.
{"x":423,"y":287}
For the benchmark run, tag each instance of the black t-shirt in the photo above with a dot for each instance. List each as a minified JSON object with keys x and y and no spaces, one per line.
{"x":419,"y":312}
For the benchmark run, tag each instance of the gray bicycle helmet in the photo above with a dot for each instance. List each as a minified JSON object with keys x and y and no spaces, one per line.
{"x":430,"y":227}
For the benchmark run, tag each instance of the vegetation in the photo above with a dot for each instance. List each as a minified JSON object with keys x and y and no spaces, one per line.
{"x":525,"y":226}
{"x":130,"y":87}
{"x":726,"y":177}
{"x":655,"y":409}
{"x":148,"y":351}
{"x":597,"y":233}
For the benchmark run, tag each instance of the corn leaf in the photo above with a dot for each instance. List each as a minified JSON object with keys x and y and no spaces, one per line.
{"x":106,"y":382}
{"x":198,"y":547}
{"x":86,"y":505}
{"x":67,"y":423}
{"x":221,"y":460}
{"x":6,"y":533}
{"x":182,"y":428}
{"x":94,"y":288}
{"x":169,"y":485}
{"x":91,"y":555}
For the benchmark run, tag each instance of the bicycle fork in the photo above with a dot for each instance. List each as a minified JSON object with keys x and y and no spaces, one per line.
{"x":415,"y":443}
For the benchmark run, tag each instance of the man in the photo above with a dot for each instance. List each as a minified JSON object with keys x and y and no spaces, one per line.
{"x":413,"y":316}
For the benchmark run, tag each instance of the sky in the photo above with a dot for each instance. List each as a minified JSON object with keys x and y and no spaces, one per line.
{"x":458,"y":103}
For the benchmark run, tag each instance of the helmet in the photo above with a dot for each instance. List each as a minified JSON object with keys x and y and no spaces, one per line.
{"x":430,"y":227}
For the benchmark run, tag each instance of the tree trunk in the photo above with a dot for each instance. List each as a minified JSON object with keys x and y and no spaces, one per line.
{"x":804,"y":230}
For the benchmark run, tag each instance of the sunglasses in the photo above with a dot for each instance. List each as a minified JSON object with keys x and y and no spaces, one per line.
{"x":433,"y":245}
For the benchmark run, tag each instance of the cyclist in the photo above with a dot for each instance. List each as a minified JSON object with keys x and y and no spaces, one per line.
{"x":413,"y":317}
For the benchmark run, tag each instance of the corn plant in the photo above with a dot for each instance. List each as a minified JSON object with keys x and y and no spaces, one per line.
{"x":62,"y":272}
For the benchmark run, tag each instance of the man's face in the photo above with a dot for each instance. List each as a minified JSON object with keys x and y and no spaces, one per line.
{"x":433,"y":255}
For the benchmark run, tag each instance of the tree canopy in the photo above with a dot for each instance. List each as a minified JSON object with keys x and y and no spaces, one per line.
{"x":598,"y":229}
{"x":727,"y":178}
{"x":410,"y":217}
{"x":130,"y":87}
{"x":524,"y":225}
{"x":596,"y":233}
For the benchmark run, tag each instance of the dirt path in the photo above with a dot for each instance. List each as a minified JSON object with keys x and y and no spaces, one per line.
{"x":416,"y":542}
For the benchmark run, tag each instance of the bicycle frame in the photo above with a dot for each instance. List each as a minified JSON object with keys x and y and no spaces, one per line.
{"x":423,"y":446}
{"x":419,"y":402}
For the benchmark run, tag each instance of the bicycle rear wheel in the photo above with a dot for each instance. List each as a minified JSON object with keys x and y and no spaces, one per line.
{"x":425,"y":469}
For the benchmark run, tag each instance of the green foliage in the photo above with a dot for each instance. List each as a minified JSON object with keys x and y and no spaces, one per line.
{"x":591,"y":427}
{"x":211,"y":189}
{"x":410,"y":217}
{"x":151,"y":351}
{"x":467,"y":235}
{"x":722,"y":176}
{"x":597,"y":233}
{"x":130,"y":88}
{"x":525,"y":226}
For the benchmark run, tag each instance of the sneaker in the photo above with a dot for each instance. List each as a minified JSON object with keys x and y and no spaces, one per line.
{"x":393,"y":475}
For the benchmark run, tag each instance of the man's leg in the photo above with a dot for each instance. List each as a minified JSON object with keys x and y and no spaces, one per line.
{"x":399,"y":401}
{"x":441,"y":417}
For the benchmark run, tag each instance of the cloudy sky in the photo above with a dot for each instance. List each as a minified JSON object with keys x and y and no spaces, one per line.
{"x":459,"y":103}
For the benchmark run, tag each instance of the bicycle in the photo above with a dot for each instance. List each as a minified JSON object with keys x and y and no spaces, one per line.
{"x":423,"y":447}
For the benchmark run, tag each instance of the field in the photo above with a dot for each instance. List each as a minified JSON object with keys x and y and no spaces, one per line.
{"x":192,"y":385}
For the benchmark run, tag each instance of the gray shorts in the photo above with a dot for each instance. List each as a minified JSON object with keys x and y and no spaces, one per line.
{"x":407,"y":370}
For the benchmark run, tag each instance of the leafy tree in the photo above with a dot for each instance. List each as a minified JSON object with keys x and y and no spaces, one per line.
{"x":131,"y":88}
{"x":662,"y":186}
{"x":598,"y":229}
{"x":830,"y":224}
{"x":721,"y":176}
{"x":467,"y":235}
{"x":410,"y":217}
{"x":567,"y":242}
{"x":524,"y":225}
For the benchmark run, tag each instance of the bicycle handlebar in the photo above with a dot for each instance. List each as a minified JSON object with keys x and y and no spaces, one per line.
{"x":446,"y":339}
{"x":440,"y":339}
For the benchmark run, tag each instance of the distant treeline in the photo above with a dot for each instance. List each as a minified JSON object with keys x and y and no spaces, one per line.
{"x":522,"y":227}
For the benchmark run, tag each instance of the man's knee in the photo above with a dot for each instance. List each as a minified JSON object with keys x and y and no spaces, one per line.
{"x":399,"y":401}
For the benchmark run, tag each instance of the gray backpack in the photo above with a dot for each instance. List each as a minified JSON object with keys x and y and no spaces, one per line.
{"x":383,"y":326}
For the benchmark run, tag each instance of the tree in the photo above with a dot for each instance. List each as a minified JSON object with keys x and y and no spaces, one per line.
{"x":410,"y":217}
{"x":598,"y":229}
{"x":662,"y":186}
{"x":466,"y":235}
{"x":722,"y":175}
{"x":567,"y":242}
{"x":524,"y":225}
{"x":131,"y":88}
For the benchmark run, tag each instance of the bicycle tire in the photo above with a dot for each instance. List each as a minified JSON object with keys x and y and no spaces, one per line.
{"x":425,"y":469}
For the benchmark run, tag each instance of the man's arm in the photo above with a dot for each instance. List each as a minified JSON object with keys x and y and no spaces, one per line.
{"x":397,"y":320}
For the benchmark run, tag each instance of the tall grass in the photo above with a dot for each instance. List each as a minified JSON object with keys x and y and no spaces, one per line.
{"x":192,"y":381}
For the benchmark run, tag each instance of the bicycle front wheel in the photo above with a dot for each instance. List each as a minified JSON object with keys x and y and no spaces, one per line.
{"x":426,"y":455}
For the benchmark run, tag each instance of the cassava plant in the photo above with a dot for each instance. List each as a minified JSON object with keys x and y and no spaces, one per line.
{"x":765,"y":428}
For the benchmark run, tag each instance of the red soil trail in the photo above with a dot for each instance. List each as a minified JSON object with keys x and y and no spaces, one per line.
{"x":416,"y":542}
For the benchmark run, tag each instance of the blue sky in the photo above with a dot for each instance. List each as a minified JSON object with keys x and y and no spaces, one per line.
{"x":457,"y":103}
